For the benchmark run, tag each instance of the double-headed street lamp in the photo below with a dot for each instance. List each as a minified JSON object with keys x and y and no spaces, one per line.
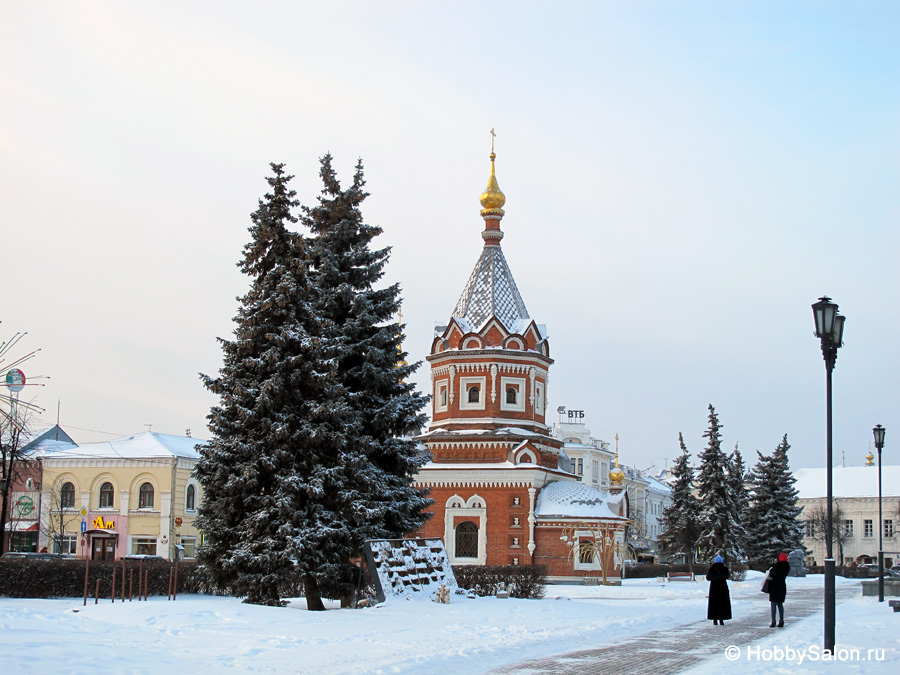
{"x":878,"y":431}
{"x":830,"y":330}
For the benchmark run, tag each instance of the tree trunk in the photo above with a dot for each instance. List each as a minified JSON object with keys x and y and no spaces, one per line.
{"x":313,"y":598}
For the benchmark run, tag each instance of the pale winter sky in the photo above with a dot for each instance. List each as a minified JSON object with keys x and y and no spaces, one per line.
{"x":683,"y":180}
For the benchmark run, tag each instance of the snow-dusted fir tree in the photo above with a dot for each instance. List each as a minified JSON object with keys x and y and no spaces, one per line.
{"x":719,"y":528}
{"x":266,"y":472}
{"x":773,"y":521}
{"x":383,"y":408}
{"x":680,"y":527}
{"x":740,"y":500}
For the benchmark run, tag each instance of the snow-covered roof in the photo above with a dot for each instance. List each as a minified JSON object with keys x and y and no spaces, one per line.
{"x":656,"y":484}
{"x":53,"y":436}
{"x":848,"y":481}
{"x":491,"y":291}
{"x":502,"y":431}
{"x":145,"y":445}
{"x":570,"y":499}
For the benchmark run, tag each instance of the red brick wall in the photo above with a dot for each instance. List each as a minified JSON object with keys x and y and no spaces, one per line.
{"x":499,"y":514}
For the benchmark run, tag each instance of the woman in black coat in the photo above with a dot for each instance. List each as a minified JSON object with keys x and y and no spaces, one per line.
{"x":778,"y":588}
{"x":719,"y":608}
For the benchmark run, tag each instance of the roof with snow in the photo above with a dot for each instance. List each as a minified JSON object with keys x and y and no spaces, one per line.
{"x":848,"y":481}
{"x":502,"y":431}
{"x":51,"y":437}
{"x":145,"y":445}
{"x":570,"y":499}
{"x":491,"y":291}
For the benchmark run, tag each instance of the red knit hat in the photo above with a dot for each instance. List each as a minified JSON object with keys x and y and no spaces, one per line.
{"x":782,"y":557}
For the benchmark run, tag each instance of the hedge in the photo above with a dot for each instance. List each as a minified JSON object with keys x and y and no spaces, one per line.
{"x":23,"y":578}
{"x":522,"y":581}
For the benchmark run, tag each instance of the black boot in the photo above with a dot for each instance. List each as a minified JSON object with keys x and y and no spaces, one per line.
{"x":781,"y":624}
{"x":772,"y":625}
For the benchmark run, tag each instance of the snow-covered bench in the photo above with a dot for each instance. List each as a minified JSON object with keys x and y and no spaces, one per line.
{"x":680,"y":576}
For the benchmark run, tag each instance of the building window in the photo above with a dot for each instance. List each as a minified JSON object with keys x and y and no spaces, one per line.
{"x":467,"y":540}
{"x":190,"y":547}
{"x":586,"y":551}
{"x":539,"y":399}
{"x":143,"y":546}
{"x":106,"y":496}
{"x":888,"y":528}
{"x":868,"y":528}
{"x":67,"y":496}
{"x":65,"y":543}
{"x":443,"y":397}
{"x":190,"y":499}
{"x":474,"y":394}
{"x":512,"y":396}
{"x":145,"y":496}
{"x":848,"y":528}
{"x":578,"y":466}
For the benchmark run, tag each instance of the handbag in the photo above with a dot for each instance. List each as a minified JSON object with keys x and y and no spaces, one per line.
{"x":765,"y":584}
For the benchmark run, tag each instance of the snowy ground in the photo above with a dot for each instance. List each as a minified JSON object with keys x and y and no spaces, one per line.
{"x":210,"y":634}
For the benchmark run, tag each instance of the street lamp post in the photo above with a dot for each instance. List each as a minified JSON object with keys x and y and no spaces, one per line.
{"x":830,"y":330}
{"x":878,"y":431}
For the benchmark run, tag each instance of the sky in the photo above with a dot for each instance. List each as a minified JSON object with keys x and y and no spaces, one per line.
{"x":683,"y":181}
{"x":477,"y":635}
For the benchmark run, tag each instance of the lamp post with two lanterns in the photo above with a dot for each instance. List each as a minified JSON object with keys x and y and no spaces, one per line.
{"x":830,"y":330}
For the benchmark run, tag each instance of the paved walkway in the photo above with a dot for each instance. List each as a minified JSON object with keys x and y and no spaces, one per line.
{"x":676,"y":649}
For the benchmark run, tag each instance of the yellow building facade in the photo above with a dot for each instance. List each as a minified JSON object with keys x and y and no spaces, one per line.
{"x":130,"y":496}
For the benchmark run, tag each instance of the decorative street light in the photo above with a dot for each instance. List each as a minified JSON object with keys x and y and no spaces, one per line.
{"x":878,"y":431}
{"x":830,"y":330}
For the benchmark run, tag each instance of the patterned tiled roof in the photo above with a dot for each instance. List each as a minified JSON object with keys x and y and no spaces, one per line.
{"x":491,"y":291}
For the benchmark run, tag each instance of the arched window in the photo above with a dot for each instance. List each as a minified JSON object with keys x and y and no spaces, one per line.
{"x":106,"y":496}
{"x":145,"y":496}
{"x":511,"y":395}
{"x":467,"y":540}
{"x":190,"y":499}
{"x":444,"y":397}
{"x":67,"y":496}
{"x":474,"y":394}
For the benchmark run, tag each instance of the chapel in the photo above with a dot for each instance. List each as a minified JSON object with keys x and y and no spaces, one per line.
{"x":503,"y":488}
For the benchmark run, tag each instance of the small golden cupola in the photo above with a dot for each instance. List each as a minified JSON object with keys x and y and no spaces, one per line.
{"x":616,"y":476}
{"x":492,"y":201}
{"x":870,"y":458}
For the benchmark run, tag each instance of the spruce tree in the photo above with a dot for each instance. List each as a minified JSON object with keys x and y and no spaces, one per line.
{"x":740,"y":500}
{"x":773,"y":524}
{"x":720,"y":531}
{"x":276,"y":427}
{"x":680,"y":528}
{"x":384,"y":410}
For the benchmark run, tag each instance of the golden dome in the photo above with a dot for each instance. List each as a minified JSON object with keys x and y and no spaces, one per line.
{"x":492,"y":199}
{"x":616,"y":475}
{"x":870,"y":459}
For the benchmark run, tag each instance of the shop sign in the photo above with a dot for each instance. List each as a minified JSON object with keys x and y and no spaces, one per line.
{"x":99,"y":524}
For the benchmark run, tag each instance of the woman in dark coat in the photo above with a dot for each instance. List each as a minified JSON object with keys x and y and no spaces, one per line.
{"x":778,"y":588}
{"x":719,"y":608}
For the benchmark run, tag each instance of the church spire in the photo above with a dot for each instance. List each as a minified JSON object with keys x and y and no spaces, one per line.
{"x":491,"y":290}
{"x":492,"y":201}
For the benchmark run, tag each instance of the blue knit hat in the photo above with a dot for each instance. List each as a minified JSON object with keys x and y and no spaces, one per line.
{"x":718,"y":558}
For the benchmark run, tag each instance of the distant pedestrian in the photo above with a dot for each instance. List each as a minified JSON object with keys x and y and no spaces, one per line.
{"x":778,"y":588}
{"x":719,"y":608}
